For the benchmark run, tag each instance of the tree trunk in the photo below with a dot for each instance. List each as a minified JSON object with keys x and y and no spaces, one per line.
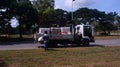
{"x":109,"y":33}
{"x":20,"y":33}
{"x":20,"y":29}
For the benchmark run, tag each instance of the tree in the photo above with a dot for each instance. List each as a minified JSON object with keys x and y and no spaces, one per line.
{"x":107,"y":24}
{"x":118,"y":24}
{"x":61,"y":17}
{"x":48,"y":17}
{"x":26,"y":15}
{"x":106,"y":27}
{"x":43,"y":6}
{"x":6,"y":13}
{"x":88,"y":15}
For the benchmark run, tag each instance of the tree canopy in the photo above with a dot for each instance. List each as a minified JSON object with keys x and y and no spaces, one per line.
{"x":6,"y":13}
{"x":45,"y":9}
{"x":22,"y":10}
{"x":41,"y":13}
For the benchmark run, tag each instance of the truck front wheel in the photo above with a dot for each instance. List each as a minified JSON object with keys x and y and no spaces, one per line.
{"x":85,"y":42}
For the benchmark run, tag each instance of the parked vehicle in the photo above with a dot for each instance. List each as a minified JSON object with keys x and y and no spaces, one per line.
{"x":79,"y":34}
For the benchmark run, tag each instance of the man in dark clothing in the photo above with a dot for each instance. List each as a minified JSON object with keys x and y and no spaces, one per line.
{"x":46,"y":40}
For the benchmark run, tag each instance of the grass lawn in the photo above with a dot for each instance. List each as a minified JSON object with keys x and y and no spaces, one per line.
{"x":62,"y":57}
{"x":106,"y":37}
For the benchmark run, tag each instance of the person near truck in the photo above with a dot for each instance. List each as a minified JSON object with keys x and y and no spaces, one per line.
{"x":46,"y":40}
{"x":35,"y":36}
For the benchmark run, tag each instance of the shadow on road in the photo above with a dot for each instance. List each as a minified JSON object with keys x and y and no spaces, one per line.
{"x":74,"y":46}
{"x":95,"y":45}
{"x":17,"y":43}
{"x":12,"y":41}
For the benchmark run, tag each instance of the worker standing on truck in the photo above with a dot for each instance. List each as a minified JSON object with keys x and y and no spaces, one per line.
{"x":46,"y":40}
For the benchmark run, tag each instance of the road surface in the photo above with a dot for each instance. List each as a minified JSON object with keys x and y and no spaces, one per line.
{"x":32,"y":45}
{"x":113,"y":42}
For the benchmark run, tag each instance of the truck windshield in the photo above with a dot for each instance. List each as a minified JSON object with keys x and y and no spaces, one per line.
{"x":87,"y":31}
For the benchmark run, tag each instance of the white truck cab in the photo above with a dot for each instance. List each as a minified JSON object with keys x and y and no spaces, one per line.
{"x":85,"y":30}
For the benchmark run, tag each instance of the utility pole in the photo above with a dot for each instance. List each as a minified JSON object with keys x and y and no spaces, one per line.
{"x":72,"y":10}
{"x":72,"y":21}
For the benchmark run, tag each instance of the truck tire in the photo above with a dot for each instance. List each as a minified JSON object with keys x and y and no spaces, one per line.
{"x":55,"y":45}
{"x":52,"y":44}
{"x":85,"y":42}
{"x":78,"y":43}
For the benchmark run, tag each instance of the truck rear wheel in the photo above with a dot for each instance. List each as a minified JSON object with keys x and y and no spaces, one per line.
{"x":85,"y":42}
{"x":52,"y":44}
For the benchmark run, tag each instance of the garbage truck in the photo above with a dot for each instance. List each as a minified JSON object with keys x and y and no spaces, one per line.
{"x":80,"y":34}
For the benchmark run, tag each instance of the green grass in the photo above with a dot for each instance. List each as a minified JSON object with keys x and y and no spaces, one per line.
{"x":106,"y":37}
{"x":62,"y":57}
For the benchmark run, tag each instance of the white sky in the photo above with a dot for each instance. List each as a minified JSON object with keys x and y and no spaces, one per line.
{"x":101,"y":5}
{"x":14,"y":22}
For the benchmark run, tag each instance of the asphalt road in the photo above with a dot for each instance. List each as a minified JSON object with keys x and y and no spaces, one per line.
{"x":113,"y":42}
{"x":32,"y":45}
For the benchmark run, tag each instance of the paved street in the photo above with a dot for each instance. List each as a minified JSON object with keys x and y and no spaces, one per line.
{"x":114,"y":42}
{"x":18,"y":46}
{"x":32,"y":45}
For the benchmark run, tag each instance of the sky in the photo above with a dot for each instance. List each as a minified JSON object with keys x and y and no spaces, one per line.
{"x":101,"y":5}
{"x":14,"y":22}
